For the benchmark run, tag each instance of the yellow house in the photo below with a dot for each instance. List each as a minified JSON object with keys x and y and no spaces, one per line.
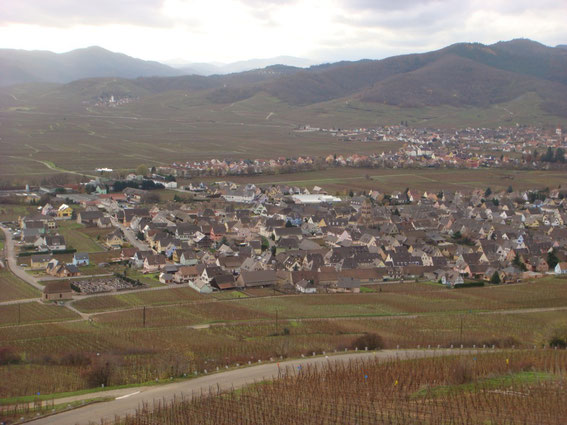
{"x":65,"y":211}
{"x":114,"y":239}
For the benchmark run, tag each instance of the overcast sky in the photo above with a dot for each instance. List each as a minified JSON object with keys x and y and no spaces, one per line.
{"x":231,"y":30}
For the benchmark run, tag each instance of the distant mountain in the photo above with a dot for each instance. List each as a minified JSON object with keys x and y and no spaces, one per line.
{"x":462,"y":75}
{"x":21,"y":66}
{"x":241,"y":66}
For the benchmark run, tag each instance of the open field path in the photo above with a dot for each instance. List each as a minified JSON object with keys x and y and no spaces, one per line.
{"x":22,"y":301}
{"x":129,"y":399}
{"x":52,"y":166}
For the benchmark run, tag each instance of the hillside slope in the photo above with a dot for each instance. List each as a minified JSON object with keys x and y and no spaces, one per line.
{"x":20,"y":66}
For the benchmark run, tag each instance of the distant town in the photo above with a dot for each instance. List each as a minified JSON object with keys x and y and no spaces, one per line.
{"x":518,"y":147}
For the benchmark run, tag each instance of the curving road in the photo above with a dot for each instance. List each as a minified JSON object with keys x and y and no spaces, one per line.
{"x":127,"y":400}
{"x":13,"y":264}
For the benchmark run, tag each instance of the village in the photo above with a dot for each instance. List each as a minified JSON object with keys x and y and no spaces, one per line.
{"x":290,"y":239}
{"x":518,"y":147}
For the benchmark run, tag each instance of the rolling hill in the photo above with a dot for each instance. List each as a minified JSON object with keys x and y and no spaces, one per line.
{"x":463,"y":75}
{"x":21,"y":66}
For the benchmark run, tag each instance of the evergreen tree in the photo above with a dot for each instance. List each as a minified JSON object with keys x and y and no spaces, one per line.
{"x":495,"y":278}
{"x":552,"y":259}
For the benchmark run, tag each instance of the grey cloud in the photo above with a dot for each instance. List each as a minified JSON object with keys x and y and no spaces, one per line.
{"x":62,"y":13}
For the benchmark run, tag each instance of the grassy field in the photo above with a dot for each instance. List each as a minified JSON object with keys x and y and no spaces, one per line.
{"x":81,"y":238}
{"x":13,"y":288}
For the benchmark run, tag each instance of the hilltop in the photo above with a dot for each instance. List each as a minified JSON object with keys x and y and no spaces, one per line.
{"x":21,"y":66}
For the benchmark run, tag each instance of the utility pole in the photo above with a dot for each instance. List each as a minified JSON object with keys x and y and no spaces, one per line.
{"x":461,"y":333}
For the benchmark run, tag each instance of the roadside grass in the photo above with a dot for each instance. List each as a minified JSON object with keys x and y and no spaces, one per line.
{"x":24,"y":412}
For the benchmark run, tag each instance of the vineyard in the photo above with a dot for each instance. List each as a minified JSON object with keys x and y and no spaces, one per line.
{"x":60,"y":357}
{"x":33,"y":312}
{"x":497,"y":388}
{"x":173,"y":333}
{"x":13,"y":288}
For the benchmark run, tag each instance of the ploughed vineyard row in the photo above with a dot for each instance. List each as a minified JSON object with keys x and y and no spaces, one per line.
{"x":505,"y":388}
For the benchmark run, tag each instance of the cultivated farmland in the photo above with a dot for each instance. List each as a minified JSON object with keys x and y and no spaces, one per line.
{"x":480,"y":389}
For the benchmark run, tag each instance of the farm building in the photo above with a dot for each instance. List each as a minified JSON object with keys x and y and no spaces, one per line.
{"x":55,"y":291}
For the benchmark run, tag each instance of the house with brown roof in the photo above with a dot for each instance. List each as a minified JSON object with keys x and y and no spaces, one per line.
{"x":89,"y":218}
{"x":153,"y":263}
{"x":186,"y":274}
{"x":55,"y":291}
{"x":258,"y":278}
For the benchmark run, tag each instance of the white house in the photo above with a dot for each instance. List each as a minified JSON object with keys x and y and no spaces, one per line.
{"x":306,"y":287}
{"x":561,"y":268}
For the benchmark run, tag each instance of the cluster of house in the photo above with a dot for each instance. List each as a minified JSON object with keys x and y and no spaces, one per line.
{"x":450,"y":236}
{"x":419,"y":147}
{"x":249,"y":236}
{"x":54,"y":267}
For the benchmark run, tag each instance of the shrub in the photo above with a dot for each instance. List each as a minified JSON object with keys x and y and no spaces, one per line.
{"x":558,"y":342}
{"x":463,"y":373}
{"x":75,"y":359}
{"x":9,"y":356}
{"x":372,"y":341}
{"x":99,"y":373}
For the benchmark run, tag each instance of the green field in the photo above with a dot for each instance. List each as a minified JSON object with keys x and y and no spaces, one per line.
{"x":13,"y":288}
{"x":77,"y":238}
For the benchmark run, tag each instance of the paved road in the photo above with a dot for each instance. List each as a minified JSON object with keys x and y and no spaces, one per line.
{"x":129,"y":233}
{"x":131,"y":398}
{"x":13,"y":264}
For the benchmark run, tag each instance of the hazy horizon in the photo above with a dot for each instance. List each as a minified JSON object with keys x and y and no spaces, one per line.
{"x":196,"y":31}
